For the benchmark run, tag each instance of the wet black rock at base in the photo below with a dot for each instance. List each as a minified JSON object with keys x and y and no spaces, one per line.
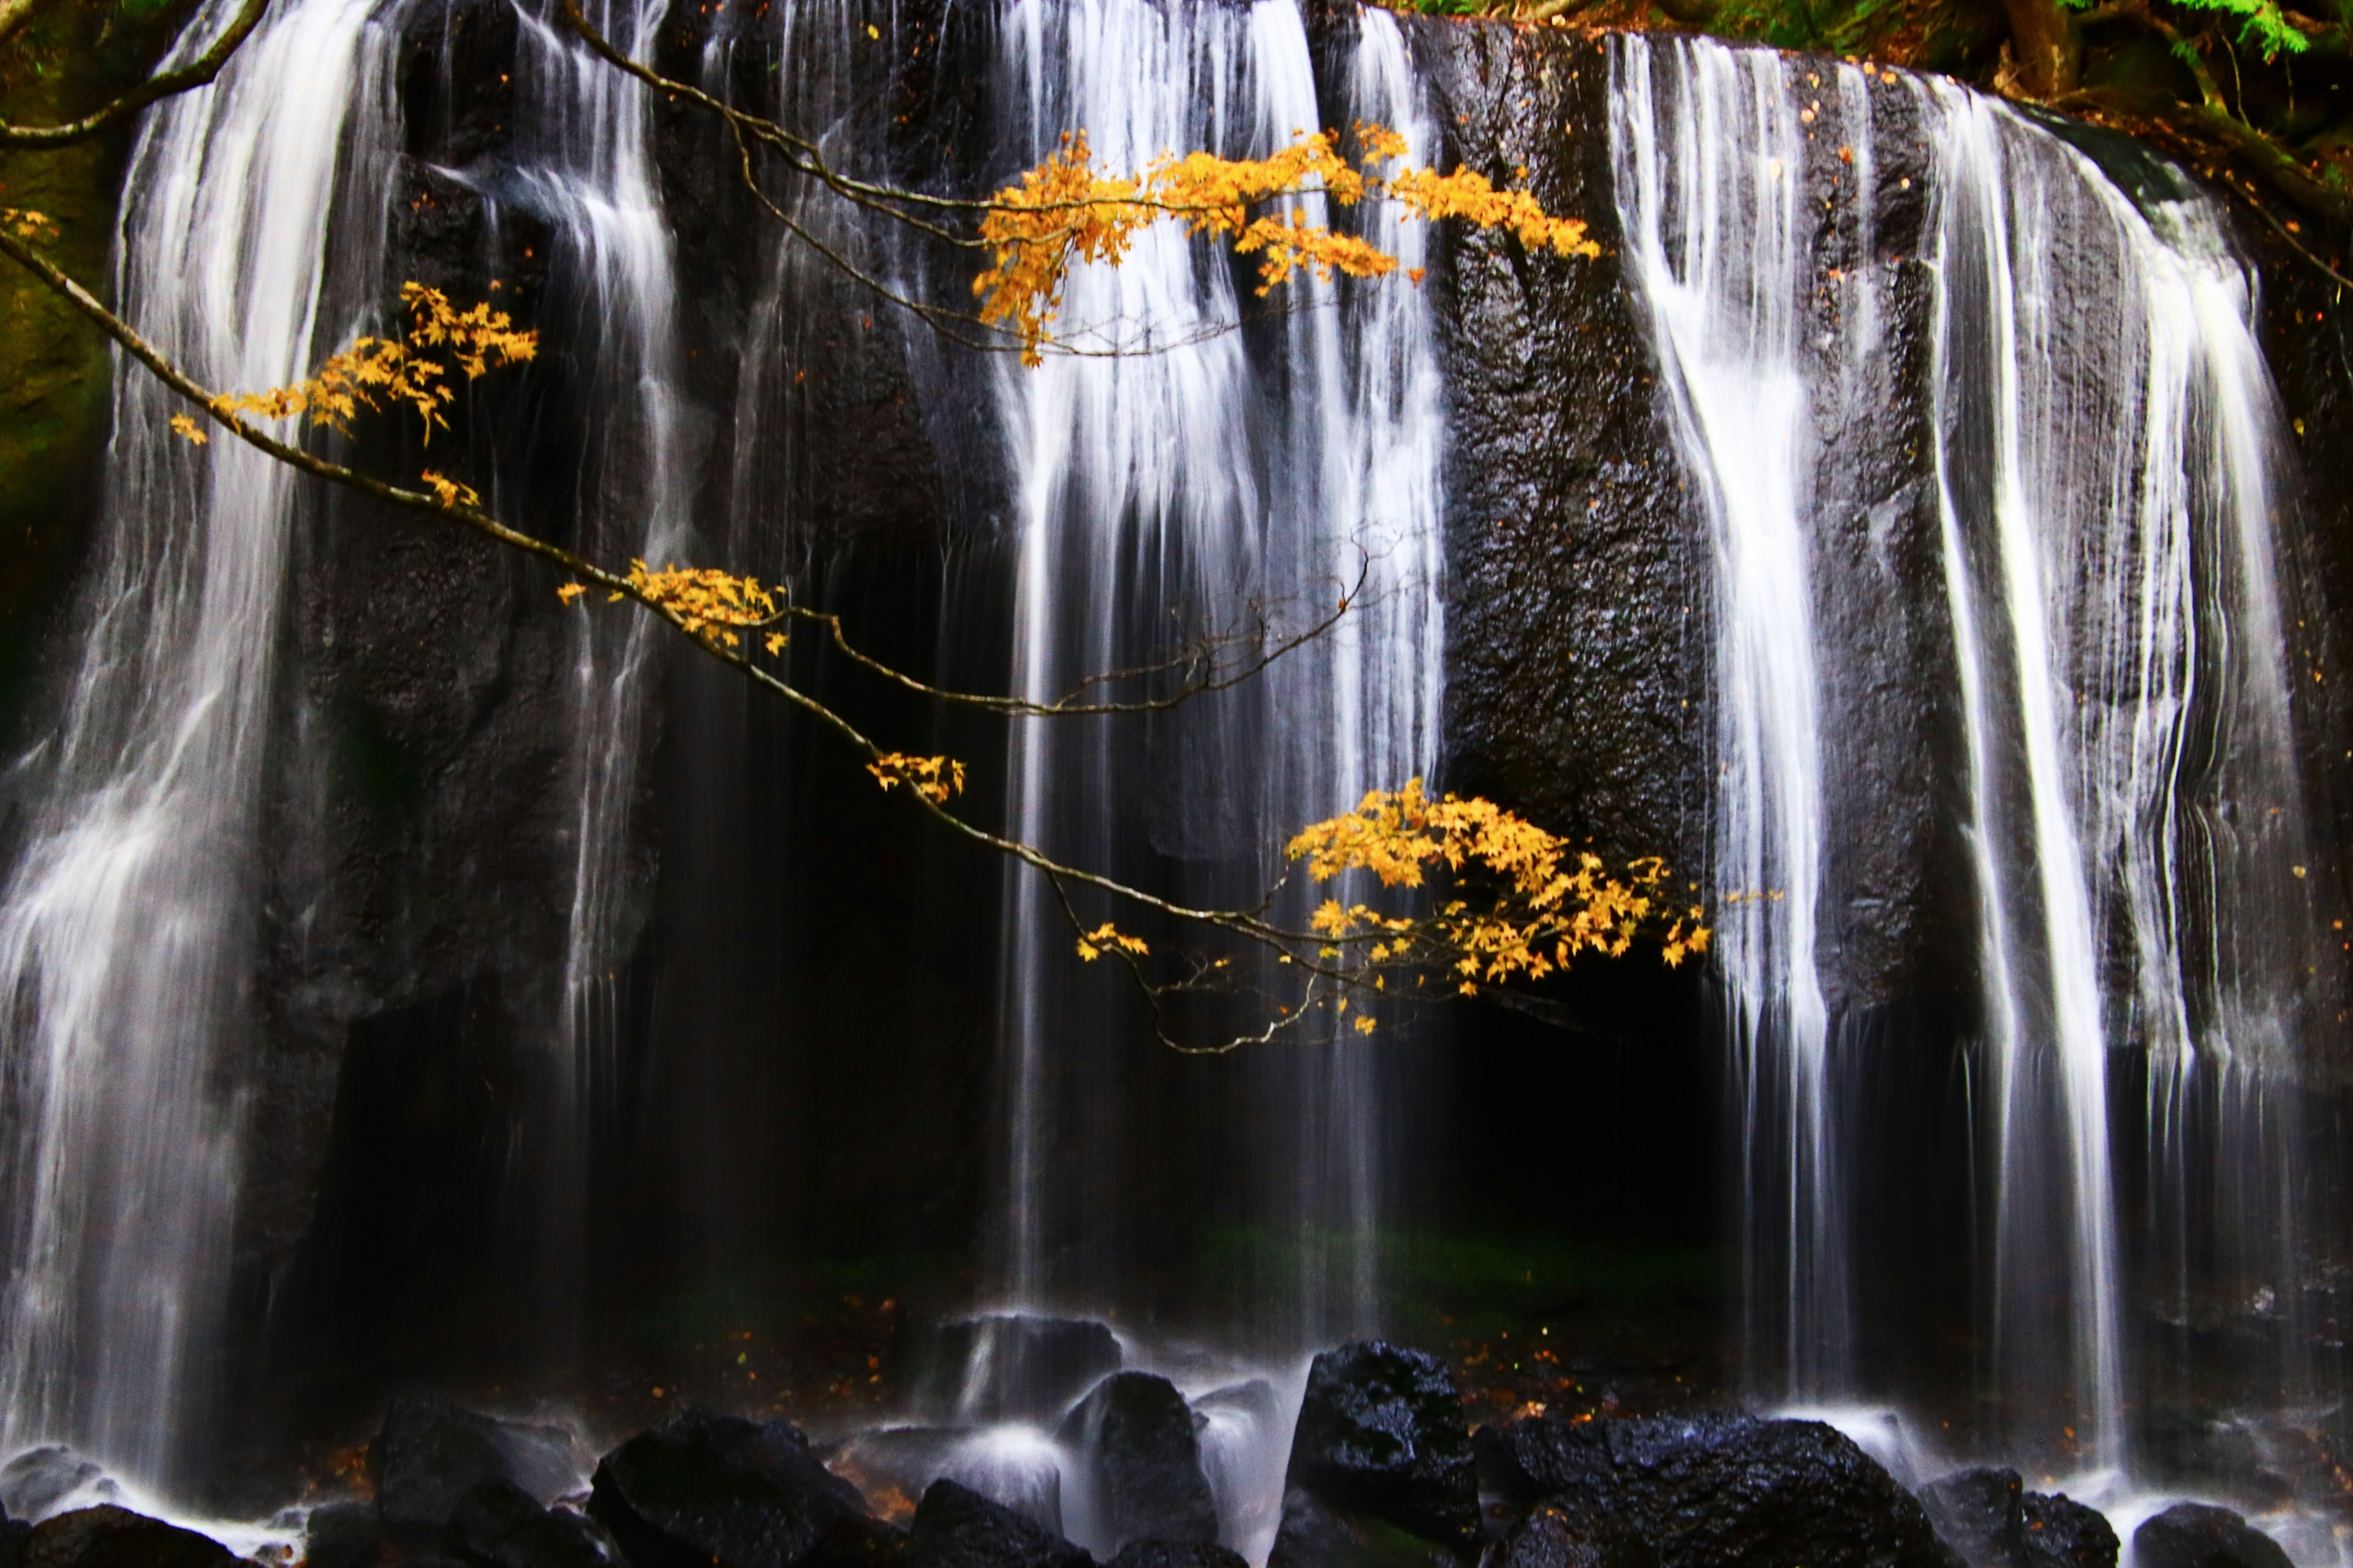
{"x":1381,"y":1435}
{"x":1976,"y":1513}
{"x":499,"y":1525}
{"x":702,"y":1490}
{"x":2200,"y":1535}
{"x":2057,"y":1532}
{"x":14,"y":1532}
{"x":1550,"y":1538}
{"x":956,"y":1527}
{"x":1136,"y":1436}
{"x":347,"y":1534}
{"x":1715,"y":1492}
{"x":1010,"y":1367}
{"x":111,"y":1537}
{"x":430,"y":1453}
{"x":1178,"y":1554}
{"x":1988,"y":1516}
{"x":1315,"y":1535}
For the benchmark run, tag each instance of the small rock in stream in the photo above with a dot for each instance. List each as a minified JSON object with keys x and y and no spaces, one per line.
{"x":956,"y":1527}
{"x":498,"y":1525}
{"x":111,"y":1537}
{"x":1381,"y":1435}
{"x":346,"y":1535}
{"x":702,"y":1489}
{"x":2200,"y":1535}
{"x":1143,"y":1452}
{"x":1993,"y":1522}
{"x":430,"y":1453}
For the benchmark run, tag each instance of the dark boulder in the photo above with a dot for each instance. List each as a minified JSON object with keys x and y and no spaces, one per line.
{"x":1381,"y":1435}
{"x":2200,"y":1535}
{"x":1009,"y":1367}
{"x":1976,"y":1513}
{"x":1549,"y":1537}
{"x":701,"y":1489}
{"x":1993,"y":1522}
{"x":1714,"y":1492}
{"x":430,"y":1453}
{"x":1178,"y":1554}
{"x":1315,"y":1535}
{"x":36,"y":1481}
{"x":347,"y":1534}
{"x":1137,"y":1438}
{"x":111,"y":1537}
{"x":956,"y":1527}
{"x":2057,"y":1532}
{"x":499,"y":1525}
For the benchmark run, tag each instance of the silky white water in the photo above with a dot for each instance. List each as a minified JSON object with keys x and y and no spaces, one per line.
{"x":127,"y":927}
{"x":2107,"y":457}
{"x":1204,"y":476}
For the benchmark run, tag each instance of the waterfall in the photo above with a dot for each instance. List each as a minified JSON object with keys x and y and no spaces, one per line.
{"x":2106,"y":463}
{"x":1710,"y":184}
{"x":584,"y":162}
{"x":127,"y":931}
{"x":2108,"y":478}
{"x":1170,"y":492}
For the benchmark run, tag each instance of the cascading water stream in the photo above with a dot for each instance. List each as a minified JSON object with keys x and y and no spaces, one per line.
{"x":584,"y":162}
{"x":127,"y":924}
{"x":1709,"y":163}
{"x":2105,"y":470}
{"x":2109,"y":487}
{"x":1187,"y":478}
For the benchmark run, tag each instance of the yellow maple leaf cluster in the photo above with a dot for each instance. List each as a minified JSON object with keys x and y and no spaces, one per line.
{"x":705,"y":601}
{"x":934,"y":778}
{"x":1535,"y":902}
{"x":1065,"y":211}
{"x":34,"y":228}
{"x":407,"y":370}
{"x":1106,"y":938}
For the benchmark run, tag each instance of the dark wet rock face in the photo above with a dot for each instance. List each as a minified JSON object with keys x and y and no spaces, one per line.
{"x":1381,"y":1436}
{"x":2057,"y":1532}
{"x":1549,"y":1537}
{"x":1713,"y":1493}
{"x":500,"y":1526}
{"x":1137,"y":1437}
{"x":1991,"y":1519}
{"x":956,"y":1527}
{"x":1176,"y":1554}
{"x":430,"y":1454}
{"x":348,"y":1534}
{"x":2200,"y":1535}
{"x":1012,"y":1367}
{"x":13,"y":1535}
{"x":1315,"y":1535}
{"x":111,"y":1537}
{"x":1976,"y":1513}
{"x":702,"y":1490}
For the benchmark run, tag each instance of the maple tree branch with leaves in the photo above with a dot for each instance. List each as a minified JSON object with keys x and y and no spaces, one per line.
{"x":1506,"y":902}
